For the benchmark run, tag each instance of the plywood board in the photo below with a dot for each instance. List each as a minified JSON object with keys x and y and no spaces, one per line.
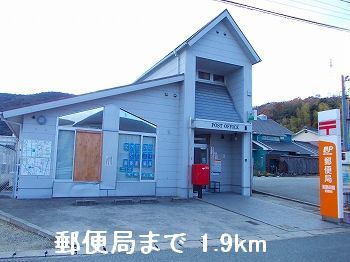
{"x":87,"y":161}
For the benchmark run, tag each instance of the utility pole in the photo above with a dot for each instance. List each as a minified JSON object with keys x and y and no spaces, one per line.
{"x":345,"y":114}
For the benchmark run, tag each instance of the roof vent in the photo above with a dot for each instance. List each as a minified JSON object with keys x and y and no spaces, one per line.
{"x":262,"y":117}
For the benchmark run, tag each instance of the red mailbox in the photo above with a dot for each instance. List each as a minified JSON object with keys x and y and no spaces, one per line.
{"x":200,"y":174}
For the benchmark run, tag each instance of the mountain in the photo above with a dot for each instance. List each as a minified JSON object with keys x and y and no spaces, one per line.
{"x":298,"y":113}
{"x":12,"y":101}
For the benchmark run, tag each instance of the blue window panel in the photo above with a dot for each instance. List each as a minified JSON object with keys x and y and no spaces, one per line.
{"x":145,"y":147}
{"x":125,"y":162}
{"x":144,"y":163}
{"x":144,"y":156}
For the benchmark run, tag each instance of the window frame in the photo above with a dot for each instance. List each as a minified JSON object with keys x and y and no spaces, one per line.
{"x":142,"y":134}
{"x":211,"y":80}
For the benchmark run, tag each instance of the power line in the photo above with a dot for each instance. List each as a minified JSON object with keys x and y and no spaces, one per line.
{"x":309,"y":10}
{"x":319,"y":7}
{"x":325,"y":3}
{"x":265,"y":11}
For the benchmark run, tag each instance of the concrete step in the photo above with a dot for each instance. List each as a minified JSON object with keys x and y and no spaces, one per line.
{"x":124,"y":201}
{"x":148,"y":200}
{"x":179,"y":199}
{"x":85,"y":202}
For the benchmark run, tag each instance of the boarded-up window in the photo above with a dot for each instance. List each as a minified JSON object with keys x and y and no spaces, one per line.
{"x":87,"y":162}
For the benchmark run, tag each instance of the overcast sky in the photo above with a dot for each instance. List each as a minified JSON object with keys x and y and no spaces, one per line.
{"x":79,"y":46}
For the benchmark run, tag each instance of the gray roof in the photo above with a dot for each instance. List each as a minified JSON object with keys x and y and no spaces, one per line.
{"x":289,"y":147}
{"x":309,"y":146}
{"x":270,"y":127}
{"x":4,"y":129}
{"x":213,"y":102}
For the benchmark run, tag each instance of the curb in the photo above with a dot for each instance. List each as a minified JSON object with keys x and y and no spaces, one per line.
{"x":18,"y":222}
{"x":286,"y":198}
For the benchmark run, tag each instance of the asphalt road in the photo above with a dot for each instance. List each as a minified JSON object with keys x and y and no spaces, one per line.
{"x":333,"y":247}
{"x":300,"y":188}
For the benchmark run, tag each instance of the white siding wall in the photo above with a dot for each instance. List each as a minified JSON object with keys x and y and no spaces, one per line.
{"x":218,"y":47}
{"x":150,"y":104}
{"x":306,"y":137}
{"x":174,"y":66}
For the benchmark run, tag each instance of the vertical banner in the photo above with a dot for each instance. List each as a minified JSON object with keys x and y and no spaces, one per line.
{"x":330,"y":165}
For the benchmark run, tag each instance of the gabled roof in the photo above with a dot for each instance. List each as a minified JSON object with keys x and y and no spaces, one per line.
{"x":93,"y":96}
{"x":313,"y":147}
{"x":288,"y":147}
{"x":307,"y":130}
{"x":269,"y":127}
{"x":224,"y":15}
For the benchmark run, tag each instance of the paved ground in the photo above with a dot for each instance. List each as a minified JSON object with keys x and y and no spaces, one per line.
{"x":286,"y":218}
{"x":325,"y":248}
{"x":256,"y":217}
{"x":193,"y":217}
{"x":301,"y":188}
{"x":10,"y":235}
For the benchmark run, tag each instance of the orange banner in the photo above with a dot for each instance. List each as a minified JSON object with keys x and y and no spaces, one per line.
{"x":328,"y":179}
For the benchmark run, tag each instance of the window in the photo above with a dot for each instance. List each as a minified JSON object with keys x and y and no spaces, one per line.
{"x":132,"y":123}
{"x":91,"y":119}
{"x":65,"y":153}
{"x":203,"y":75}
{"x":148,"y":158}
{"x":136,"y":148}
{"x":71,"y":127}
{"x":218,"y":78}
{"x":136,"y":162}
{"x":129,"y":157}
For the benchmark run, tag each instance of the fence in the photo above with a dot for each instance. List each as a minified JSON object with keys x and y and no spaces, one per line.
{"x":7,"y":168}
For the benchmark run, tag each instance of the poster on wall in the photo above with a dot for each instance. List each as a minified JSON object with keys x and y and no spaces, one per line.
{"x":36,"y":157}
{"x":331,"y":181}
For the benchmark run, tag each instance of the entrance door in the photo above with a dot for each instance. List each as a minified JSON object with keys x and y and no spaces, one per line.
{"x":87,"y":161}
{"x":201,"y":154}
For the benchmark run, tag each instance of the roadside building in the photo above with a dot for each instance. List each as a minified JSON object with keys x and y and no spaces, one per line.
{"x":306,"y":134}
{"x":7,"y":159}
{"x":275,"y":152}
{"x":142,"y":139}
